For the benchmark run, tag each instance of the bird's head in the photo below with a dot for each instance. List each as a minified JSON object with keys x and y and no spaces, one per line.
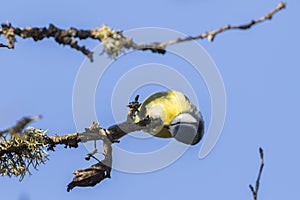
{"x":187,"y":128}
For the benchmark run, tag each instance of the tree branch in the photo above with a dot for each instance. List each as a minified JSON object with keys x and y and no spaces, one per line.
{"x":114,"y":42}
{"x":18,"y":152}
{"x":255,"y":191}
{"x":25,"y":148}
{"x":17,"y":129}
{"x":212,"y":34}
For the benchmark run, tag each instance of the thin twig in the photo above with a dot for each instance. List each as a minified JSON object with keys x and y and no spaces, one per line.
{"x":3,"y":45}
{"x":255,"y":191}
{"x":211,"y":34}
{"x":18,"y":128}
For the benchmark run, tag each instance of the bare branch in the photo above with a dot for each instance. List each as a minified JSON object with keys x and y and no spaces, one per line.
{"x":212,"y":34}
{"x":114,"y":42}
{"x":18,"y":128}
{"x":255,"y":191}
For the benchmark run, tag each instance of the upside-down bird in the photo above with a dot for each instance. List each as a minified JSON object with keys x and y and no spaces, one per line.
{"x":171,"y":115}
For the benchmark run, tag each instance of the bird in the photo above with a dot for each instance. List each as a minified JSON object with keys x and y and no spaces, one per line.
{"x":171,"y":115}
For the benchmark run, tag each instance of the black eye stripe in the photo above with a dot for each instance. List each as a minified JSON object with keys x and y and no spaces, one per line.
{"x":184,"y":123}
{"x":168,"y":126}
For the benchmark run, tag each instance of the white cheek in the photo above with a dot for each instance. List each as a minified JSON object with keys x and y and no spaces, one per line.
{"x":155,"y":111}
{"x":185,"y":117}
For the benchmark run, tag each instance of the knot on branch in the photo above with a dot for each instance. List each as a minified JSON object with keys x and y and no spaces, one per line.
{"x":8,"y":32}
{"x":133,"y":108}
{"x":95,"y":132}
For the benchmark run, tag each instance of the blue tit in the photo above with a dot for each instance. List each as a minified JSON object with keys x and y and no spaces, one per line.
{"x":171,"y":115}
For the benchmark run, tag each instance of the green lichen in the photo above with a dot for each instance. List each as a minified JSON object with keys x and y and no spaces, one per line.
{"x":114,"y":43}
{"x":21,"y":152}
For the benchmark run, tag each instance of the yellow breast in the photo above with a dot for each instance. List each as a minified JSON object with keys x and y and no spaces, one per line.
{"x":164,"y":105}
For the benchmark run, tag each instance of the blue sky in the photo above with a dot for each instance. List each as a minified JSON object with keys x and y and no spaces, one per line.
{"x":259,"y":67}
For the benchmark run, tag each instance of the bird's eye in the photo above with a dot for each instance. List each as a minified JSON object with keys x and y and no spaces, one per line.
{"x":133,"y":116}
